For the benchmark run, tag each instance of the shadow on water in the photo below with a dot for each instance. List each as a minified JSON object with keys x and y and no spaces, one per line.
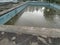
{"x":49,"y":14}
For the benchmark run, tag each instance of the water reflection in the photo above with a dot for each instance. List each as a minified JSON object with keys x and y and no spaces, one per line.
{"x":31,"y":17}
{"x":38,"y":16}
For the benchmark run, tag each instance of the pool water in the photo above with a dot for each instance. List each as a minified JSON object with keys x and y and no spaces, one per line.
{"x":38,"y":16}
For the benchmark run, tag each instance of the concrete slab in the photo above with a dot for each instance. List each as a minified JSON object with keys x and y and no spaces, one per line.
{"x":44,"y":32}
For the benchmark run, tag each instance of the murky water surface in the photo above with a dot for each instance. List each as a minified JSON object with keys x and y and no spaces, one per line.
{"x":37,"y":16}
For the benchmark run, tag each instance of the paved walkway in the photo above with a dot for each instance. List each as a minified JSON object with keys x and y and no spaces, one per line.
{"x":41,"y":35}
{"x":45,"y":32}
{"x":8,"y":6}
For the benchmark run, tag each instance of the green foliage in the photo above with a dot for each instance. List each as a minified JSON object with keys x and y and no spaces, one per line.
{"x":52,"y":1}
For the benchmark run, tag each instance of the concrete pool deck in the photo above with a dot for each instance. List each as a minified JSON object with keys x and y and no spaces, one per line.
{"x":45,"y":32}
